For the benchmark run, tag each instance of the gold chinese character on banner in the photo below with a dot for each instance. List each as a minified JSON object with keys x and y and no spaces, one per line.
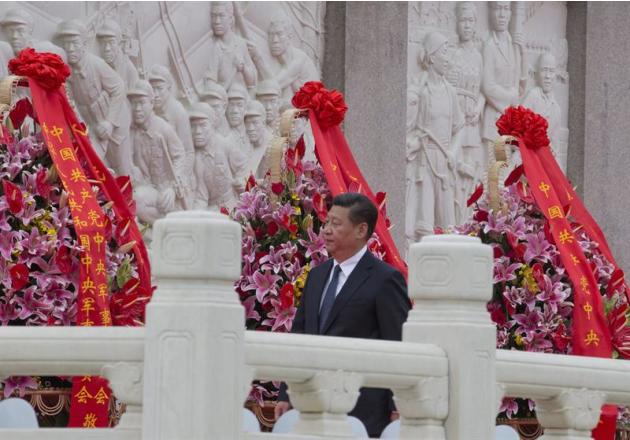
{"x":588,"y":308}
{"x":67,"y":153}
{"x":101,"y":397}
{"x":85,"y":194}
{"x":565,"y":237}
{"x":90,"y":420}
{"x":76,"y":175}
{"x":575,"y":260}
{"x":106,"y":317}
{"x":100,"y":267}
{"x":78,"y":130}
{"x":94,"y":218}
{"x":583,"y":282}
{"x":84,"y":239}
{"x":86,"y":260}
{"x":555,"y":212}
{"x":87,"y":305}
{"x":592,"y":338}
{"x":57,"y":132}
{"x":102,"y":290}
{"x":86,"y":323}
{"x":74,"y":205}
{"x":83,"y":395}
{"x":88,"y":285}
{"x":98,"y":239}
{"x":544,"y":187}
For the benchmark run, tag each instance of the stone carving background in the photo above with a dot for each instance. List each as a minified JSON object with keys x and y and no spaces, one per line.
{"x":179,"y":36}
{"x":543,"y":28}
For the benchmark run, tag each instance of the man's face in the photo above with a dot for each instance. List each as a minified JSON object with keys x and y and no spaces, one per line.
{"x":546,"y":74}
{"x":272,"y":107}
{"x":235,"y":111}
{"x":161,"y":93}
{"x":201,"y":130}
{"x":218,"y":105}
{"x":440,"y":59}
{"x":18,"y":35}
{"x":278,"y":39}
{"x":141,"y":108}
{"x":340,"y":234}
{"x":253,"y":127}
{"x":109,"y":47}
{"x":466,"y":25}
{"x":74,"y":47}
{"x":500,"y":14}
{"x":220,"y":20}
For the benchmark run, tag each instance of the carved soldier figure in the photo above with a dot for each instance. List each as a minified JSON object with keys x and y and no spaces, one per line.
{"x":235,"y":113}
{"x":17,"y":25}
{"x":542,"y":100}
{"x":291,"y":67}
{"x":219,"y":168}
{"x":505,"y":68}
{"x":268,"y":93}
{"x":160,"y":156}
{"x":109,"y":37}
{"x":230,"y":62}
{"x":259,"y":138}
{"x":98,"y":92}
{"x":171,"y":110}
{"x":216,"y":97}
{"x":465,"y":75}
{"x":432,"y":152}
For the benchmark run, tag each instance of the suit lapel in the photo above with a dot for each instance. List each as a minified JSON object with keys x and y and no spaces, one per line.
{"x":317,"y":288}
{"x":355,"y":280}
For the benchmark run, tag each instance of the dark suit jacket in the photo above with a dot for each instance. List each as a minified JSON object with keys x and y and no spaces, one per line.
{"x":372,"y":304}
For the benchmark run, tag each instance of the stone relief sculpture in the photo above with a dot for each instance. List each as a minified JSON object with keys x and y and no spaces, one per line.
{"x":541,"y":99}
{"x":290,"y":66}
{"x":17,"y":26}
{"x":486,"y":82}
{"x":235,"y":113}
{"x":230,"y":62}
{"x":111,"y":45}
{"x":505,"y":68}
{"x":432,"y":144}
{"x":160,"y":157}
{"x":98,"y":92}
{"x":220,"y":169}
{"x":259,"y":137}
{"x":109,"y":38}
{"x":465,"y":75}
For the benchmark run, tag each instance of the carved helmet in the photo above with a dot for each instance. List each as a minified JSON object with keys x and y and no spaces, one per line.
{"x":255,"y":108}
{"x":200,"y":110}
{"x":140,"y":88}
{"x":109,"y":28}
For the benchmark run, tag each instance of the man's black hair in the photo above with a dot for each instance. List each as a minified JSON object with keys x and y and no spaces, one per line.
{"x":362,"y":210}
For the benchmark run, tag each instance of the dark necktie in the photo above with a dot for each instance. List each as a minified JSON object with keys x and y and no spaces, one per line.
{"x":329,"y":298}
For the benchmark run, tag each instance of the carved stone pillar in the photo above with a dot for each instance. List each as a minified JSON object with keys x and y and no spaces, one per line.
{"x":423,"y":409}
{"x":194,"y":354}
{"x":125,"y":380}
{"x":571,"y":415}
{"x":324,"y":402}
{"x":450,"y":279}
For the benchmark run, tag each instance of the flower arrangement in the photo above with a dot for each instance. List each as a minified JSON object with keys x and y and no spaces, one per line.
{"x":533,"y":296}
{"x":40,"y":252}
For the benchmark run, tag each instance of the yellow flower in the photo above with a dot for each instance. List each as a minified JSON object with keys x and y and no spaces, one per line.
{"x":519,"y":340}
{"x":297,"y":210}
{"x":528,"y":279}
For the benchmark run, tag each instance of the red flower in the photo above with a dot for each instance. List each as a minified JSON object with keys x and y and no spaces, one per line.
{"x":560,"y":338}
{"x":496,"y":313}
{"x":514,"y":175}
{"x":286,"y":295}
{"x":20,"y":111}
{"x":124,"y":183}
{"x":272,"y":228}
{"x":277,"y":188}
{"x":43,"y":188}
{"x":128,"y":305}
{"x":524,"y":193}
{"x":19,"y":276}
{"x":328,"y":106}
{"x":63,"y":260}
{"x":616,"y":281}
{"x":522,"y":123}
{"x":475,"y":195}
{"x":300,"y":147}
{"x":481,"y":216}
{"x":48,"y":69}
{"x":319,"y":204}
{"x":14,"y":196}
{"x":293,"y":161}
{"x":251,"y":182}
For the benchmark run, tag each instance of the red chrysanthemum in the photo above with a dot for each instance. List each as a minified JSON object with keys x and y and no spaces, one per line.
{"x":523,"y":123}
{"x":19,"y":276}
{"x":328,"y":105}
{"x":48,"y":69}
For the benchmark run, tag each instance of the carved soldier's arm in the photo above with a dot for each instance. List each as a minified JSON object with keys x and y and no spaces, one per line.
{"x":202,"y":196}
{"x":115,"y":88}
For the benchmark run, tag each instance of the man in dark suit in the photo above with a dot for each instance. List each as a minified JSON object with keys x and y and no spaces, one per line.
{"x":353,"y":294}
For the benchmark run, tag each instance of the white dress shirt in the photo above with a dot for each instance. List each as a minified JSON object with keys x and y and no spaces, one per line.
{"x":346,"y":269}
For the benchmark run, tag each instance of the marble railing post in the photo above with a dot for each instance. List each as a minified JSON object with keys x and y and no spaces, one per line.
{"x":194,"y":352}
{"x":450,"y":280}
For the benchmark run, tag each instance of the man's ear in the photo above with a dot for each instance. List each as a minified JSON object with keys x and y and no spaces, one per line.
{"x":363,"y":231}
